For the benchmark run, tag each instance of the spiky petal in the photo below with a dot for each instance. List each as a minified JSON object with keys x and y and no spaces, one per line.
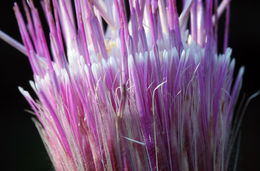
{"x":140,"y":95}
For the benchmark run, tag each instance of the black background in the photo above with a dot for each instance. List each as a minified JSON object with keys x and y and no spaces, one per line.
{"x":21,"y":146}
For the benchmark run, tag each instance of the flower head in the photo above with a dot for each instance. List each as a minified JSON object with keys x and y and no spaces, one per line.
{"x":150,"y":93}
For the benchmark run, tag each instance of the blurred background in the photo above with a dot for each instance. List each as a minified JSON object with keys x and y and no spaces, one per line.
{"x":21,"y":146}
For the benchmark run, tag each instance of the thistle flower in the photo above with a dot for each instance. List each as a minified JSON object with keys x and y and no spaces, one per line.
{"x":151,"y":93}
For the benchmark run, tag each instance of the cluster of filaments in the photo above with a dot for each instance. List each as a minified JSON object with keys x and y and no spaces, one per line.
{"x":143,"y":94}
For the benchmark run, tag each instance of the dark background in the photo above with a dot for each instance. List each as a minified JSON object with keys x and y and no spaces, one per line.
{"x":21,"y":146}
